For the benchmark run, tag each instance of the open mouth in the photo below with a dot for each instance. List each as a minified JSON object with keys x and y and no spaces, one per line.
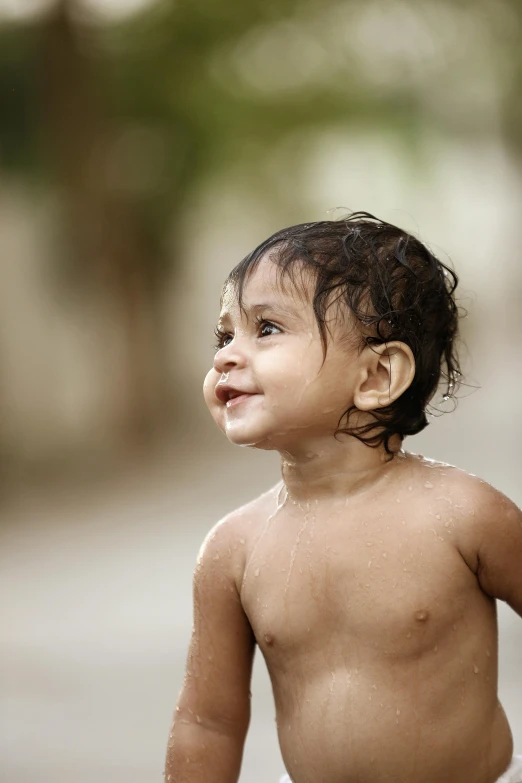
{"x":238,"y":398}
{"x":230,"y":396}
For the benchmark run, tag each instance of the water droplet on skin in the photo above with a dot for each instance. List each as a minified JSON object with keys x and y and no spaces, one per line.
{"x":398,"y":711}
{"x":241,"y":540}
{"x":256,"y":572}
{"x":454,"y":627}
{"x":397,"y":500}
{"x":216,"y":557}
{"x":295,"y":547}
{"x":369,"y":543}
{"x":437,"y":516}
{"x":410,"y":489}
{"x":408,"y":635}
{"x":435,"y":648}
{"x":447,"y":524}
{"x":475,"y":669}
{"x":488,"y":653}
{"x":169,"y":777}
{"x":385,"y":554}
{"x":428,"y":485}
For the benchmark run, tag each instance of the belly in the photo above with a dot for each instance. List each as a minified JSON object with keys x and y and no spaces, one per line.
{"x":382,"y":653}
{"x":406,"y":691}
{"x":408,"y":723}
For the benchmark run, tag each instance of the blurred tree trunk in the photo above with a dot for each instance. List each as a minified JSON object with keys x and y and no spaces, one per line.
{"x":110,"y":246}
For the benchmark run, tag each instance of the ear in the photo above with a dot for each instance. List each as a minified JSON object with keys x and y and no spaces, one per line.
{"x":387,"y":370}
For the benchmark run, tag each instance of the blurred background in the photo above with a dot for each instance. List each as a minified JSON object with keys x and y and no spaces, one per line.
{"x":145,"y":148}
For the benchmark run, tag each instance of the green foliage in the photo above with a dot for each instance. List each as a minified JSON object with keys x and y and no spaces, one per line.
{"x":192,"y":86}
{"x":18,"y":101}
{"x":176,"y":69}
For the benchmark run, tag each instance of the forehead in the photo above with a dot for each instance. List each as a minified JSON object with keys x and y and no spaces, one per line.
{"x":269,"y":283}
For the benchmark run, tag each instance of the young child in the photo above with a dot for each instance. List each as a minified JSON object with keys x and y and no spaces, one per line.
{"x":368,"y":575}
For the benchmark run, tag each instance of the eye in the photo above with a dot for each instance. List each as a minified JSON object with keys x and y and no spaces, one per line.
{"x":267,"y":328}
{"x":222,"y":339}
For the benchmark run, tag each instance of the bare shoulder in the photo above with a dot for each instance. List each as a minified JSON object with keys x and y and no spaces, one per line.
{"x":464,"y":491}
{"x":482,"y":517}
{"x":490,"y":538}
{"x":472,"y":497}
{"x":226,"y":546}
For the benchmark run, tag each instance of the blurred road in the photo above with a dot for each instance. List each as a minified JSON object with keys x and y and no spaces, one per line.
{"x":95,"y":593}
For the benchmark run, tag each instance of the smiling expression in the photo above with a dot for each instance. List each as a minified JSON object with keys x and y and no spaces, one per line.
{"x":270,"y":385}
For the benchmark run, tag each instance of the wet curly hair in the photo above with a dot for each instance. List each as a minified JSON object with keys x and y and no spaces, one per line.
{"x":397,"y":290}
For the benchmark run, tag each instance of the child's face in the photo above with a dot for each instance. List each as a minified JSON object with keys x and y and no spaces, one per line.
{"x":273,"y":354}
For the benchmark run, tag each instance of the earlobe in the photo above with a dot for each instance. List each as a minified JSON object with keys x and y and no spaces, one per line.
{"x":387,"y":370}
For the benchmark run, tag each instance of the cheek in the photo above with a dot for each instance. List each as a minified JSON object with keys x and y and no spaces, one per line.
{"x":209,"y":385}
{"x":291,"y":367}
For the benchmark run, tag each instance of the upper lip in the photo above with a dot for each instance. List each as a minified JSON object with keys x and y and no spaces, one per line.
{"x":225,"y":392}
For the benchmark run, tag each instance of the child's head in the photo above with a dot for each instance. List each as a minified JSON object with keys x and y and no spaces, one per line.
{"x":373,"y":287}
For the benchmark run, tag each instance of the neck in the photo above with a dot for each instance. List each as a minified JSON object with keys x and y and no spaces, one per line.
{"x":334,"y":469}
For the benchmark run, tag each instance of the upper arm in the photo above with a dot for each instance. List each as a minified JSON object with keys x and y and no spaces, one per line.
{"x":499,"y":547}
{"x":216,"y":689}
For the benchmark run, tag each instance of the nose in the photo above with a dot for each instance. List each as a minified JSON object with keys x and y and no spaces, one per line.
{"x":231,"y":356}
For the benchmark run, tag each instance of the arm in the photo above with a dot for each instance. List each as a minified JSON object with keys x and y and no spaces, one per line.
{"x":213,"y":710}
{"x":493,"y":543}
{"x":500,"y":550}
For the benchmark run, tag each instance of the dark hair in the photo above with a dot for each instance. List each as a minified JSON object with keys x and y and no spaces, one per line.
{"x":397,"y":290}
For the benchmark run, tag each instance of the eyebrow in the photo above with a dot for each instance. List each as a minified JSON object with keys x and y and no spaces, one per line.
{"x":259,"y":307}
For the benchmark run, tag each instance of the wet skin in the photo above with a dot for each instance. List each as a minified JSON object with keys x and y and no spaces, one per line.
{"x":380,"y":643}
{"x":369,"y":585}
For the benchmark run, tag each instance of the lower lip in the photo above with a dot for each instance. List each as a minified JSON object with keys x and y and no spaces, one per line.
{"x":239,"y":399}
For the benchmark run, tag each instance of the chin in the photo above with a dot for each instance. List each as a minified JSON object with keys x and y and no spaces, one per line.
{"x":263,"y":440}
{"x":244,"y":438}
{"x":241,"y":434}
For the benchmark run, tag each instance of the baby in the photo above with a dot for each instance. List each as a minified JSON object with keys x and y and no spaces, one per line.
{"x":368,"y":575}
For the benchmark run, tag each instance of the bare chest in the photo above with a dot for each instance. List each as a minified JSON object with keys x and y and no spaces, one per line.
{"x":394,"y":585}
